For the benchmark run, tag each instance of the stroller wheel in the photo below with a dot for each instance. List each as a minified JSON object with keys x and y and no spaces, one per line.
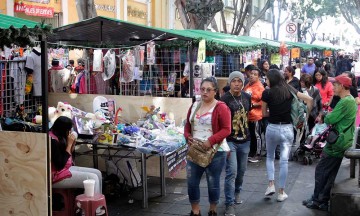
{"x":310,"y":161}
{"x":295,"y":158}
{"x":305,"y":160}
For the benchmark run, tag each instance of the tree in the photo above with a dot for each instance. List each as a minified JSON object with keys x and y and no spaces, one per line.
{"x":85,"y":9}
{"x":243,"y":18}
{"x":282,"y":6}
{"x":350,"y":9}
{"x":198,"y":14}
{"x":306,"y":13}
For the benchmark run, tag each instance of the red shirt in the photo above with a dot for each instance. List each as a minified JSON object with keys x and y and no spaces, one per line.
{"x":326,"y":93}
{"x":220,"y":120}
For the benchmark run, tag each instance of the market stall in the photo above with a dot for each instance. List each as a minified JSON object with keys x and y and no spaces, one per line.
{"x":23,"y":155}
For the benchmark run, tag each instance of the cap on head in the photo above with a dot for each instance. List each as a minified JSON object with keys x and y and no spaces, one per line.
{"x":236,"y":74}
{"x":343,"y":80}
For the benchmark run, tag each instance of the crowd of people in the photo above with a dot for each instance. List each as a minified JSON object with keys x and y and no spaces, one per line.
{"x":259,"y":101}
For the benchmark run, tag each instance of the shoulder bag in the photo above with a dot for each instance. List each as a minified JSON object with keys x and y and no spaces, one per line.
{"x":333,"y":134}
{"x":196,"y":153}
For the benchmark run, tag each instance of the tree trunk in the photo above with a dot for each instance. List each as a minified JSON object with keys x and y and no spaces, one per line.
{"x":250,"y":22}
{"x":85,"y":9}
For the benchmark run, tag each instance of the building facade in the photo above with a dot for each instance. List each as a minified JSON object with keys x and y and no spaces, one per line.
{"x":157,"y":13}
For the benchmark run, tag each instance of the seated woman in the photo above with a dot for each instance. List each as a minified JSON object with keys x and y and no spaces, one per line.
{"x":64,"y":174}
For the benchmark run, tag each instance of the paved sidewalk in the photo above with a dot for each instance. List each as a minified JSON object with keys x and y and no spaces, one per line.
{"x":300,"y":184}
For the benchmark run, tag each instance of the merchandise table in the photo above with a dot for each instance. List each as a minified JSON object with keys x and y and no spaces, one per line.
{"x":143,"y":157}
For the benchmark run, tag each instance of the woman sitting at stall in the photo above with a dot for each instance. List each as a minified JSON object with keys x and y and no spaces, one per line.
{"x":208,"y":122}
{"x":64,"y":174}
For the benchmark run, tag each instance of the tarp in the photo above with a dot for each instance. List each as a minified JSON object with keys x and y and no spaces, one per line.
{"x":306,"y":47}
{"x":8,"y":21}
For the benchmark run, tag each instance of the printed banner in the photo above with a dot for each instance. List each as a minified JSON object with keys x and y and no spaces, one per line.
{"x":275,"y":58}
{"x":33,"y":10}
{"x":39,"y":1}
{"x":295,"y":53}
{"x":201,"y":52}
{"x":327,"y":53}
{"x":176,"y":160}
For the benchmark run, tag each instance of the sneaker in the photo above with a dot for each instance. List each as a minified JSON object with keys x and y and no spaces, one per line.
{"x":253,"y":160}
{"x":270,"y":190}
{"x":315,"y":205}
{"x":238,"y":198}
{"x":192,"y":214}
{"x":282,"y":197}
{"x":229,"y":210}
{"x":305,"y":202}
{"x":308,"y":146}
{"x":99,"y":212}
{"x":212,"y":213}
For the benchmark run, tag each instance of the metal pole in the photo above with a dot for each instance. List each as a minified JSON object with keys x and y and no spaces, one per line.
{"x":144,"y":180}
{"x":44,"y":83}
{"x":191,"y":59}
{"x":162,"y":175}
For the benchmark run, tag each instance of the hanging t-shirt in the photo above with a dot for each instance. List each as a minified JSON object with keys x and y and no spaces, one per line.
{"x":97,"y":60}
{"x":33,"y":62}
{"x":109,"y":65}
{"x":59,"y":80}
{"x":18,"y":72}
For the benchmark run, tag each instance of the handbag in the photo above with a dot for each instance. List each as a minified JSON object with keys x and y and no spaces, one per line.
{"x":196,"y":153}
{"x":333,"y":134}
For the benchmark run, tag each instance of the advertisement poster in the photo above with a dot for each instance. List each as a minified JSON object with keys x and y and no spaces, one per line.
{"x":275,"y":58}
{"x":201,"y":52}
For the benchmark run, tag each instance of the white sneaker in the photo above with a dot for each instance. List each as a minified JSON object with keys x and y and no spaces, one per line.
{"x":100,"y":211}
{"x":282,"y":197}
{"x":238,"y":198}
{"x":270,"y":190}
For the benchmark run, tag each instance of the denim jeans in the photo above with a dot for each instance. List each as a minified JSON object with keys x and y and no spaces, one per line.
{"x":283,"y":135}
{"x":236,"y":165}
{"x":325,"y":174}
{"x":213,"y":171}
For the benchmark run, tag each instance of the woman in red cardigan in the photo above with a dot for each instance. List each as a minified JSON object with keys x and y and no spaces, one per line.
{"x":325,"y":87}
{"x":209,"y":121}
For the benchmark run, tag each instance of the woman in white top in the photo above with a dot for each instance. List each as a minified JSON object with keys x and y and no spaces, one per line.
{"x":209,"y":121}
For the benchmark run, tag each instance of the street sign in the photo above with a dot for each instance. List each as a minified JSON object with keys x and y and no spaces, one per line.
{"x":291,"y":28}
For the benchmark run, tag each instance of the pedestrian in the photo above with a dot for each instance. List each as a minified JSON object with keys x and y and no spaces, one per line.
{"x":239,"y":103}
{"x":325,"y":87}
{"x":289,"y":74}
{"x":309,"y":68}
{"x":277,"y":106}
{"x":209,"y":122}
{"x":342,"y":64}
{"x":255,"y":89}
{"x":329,"y":164}
{"x":308,"y":88}
{"x":248,"y":69}
{"x":353,"y":91}
{"x":264,"y":68}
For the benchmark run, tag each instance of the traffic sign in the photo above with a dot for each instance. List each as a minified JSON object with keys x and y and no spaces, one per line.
{"x":291,"y":28}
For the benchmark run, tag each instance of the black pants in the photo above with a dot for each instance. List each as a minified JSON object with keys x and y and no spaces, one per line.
{"x":325,"y":174}
{"x":255,"y":135}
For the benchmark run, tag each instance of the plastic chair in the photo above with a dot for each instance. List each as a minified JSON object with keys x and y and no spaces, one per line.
{"x":68,"y":197}
{"x":90,"y":204}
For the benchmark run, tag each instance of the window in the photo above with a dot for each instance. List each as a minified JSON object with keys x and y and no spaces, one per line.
{"x":229,"y":3}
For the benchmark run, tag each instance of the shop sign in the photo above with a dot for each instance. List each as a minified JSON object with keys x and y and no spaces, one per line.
{"x":39,"y":1}
{"x":134,"y":12}
{"x":33,"y":10}
{"x":109,"y":8}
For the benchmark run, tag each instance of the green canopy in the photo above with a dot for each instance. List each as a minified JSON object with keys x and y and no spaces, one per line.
{"x":307,"y":47}
{"x":8,"y":21}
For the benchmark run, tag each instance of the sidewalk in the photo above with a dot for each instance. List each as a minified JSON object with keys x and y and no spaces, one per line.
{"x":300,"y":184}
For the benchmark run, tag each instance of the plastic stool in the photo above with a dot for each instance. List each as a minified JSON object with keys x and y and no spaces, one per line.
{"x":68,"y":196}
{"x":90,"y":204}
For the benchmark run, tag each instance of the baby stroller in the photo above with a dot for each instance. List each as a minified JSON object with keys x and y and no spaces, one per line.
{"x":307,"y":151}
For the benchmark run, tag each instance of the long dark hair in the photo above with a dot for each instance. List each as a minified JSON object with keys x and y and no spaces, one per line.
{"x":278,"y":85}
{"x":61,"y":128}
{"x":261,"y":66}
{"x":291,"y":70}
{"x":324,"y":78}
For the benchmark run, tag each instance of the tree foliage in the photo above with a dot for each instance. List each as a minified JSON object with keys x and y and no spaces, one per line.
{"x":310,"y":12}
{"x":194,"y":20}
{"x":350,"y":9}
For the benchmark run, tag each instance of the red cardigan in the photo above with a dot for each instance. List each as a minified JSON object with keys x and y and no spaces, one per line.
{"x":220,"y":120}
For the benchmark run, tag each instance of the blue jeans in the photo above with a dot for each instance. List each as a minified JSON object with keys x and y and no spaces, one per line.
{"x":283,"y":135}
{"x":236,"y":165}
{"x":213,"y":172}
